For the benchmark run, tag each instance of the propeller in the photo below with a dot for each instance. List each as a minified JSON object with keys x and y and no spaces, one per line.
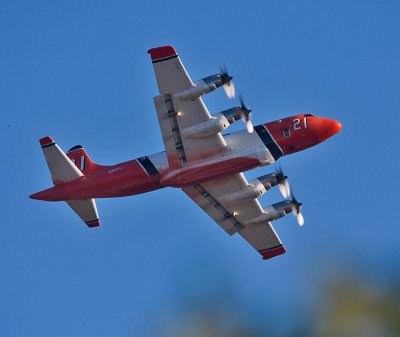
{"x":245,"y":114}
{"x":296,"y":209}
{"x":282,"y":180}
{"x":227,"y":82}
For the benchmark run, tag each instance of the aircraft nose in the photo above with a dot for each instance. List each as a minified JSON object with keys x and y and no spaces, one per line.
{"x":329,"y":127}
{"x":336,"y":126}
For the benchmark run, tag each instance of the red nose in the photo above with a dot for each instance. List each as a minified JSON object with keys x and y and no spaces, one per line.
{"x":328,"y":128}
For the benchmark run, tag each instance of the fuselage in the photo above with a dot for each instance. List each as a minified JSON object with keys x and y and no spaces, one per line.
{"x":243,"y":151}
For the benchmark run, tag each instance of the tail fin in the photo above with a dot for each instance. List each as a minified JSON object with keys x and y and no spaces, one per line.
{"x":63,"y":170}
{"x":82,"y":161}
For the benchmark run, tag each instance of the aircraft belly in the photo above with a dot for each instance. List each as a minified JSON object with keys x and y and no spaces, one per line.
{"x":198,"y":174}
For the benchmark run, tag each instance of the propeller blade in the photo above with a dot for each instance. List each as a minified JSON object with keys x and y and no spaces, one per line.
{"x":245,"y":114}
{"x":282,"y":189}
{"x":249,"y":126}
{"x":227,"y":82}
{"x":296,"y":205}
{"x":294,"y":210}
{"x":223,"y":69}
{"x":300,"y":219}
{"x":282,"y":181}
{"x":242,"y":105}
{"x":230,"y":89}
{"x":286,"y":187}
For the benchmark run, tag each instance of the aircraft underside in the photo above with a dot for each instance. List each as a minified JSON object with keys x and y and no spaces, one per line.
{"x":207,"y":165}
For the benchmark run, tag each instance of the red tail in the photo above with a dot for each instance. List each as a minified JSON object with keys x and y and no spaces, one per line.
{"x":82,"y":161}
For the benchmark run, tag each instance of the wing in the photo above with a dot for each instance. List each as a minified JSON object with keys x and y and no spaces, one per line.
{"x":233,"y":216}
{"x":175,"y":114}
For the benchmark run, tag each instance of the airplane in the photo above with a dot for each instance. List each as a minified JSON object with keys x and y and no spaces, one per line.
{"x":207,"y":165}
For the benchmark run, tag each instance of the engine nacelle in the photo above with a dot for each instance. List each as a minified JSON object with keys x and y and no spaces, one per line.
{"x":251,"y":191}
{"x":268,"y":181}
{"x":212,"y":126}
{"x":273,"y":212}
{"x":202,"y":87}
{"x":215,"y":124}
{"x":256,"y":188}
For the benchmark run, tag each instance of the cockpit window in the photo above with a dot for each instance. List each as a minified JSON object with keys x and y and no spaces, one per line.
{"x":286,"y":133}
{"x":308,"y":115}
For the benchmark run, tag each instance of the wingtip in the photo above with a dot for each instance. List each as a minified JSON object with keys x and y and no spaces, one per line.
{"x":94,"y":223}
{"x":163,"y":52}
{"x":272,"y":252}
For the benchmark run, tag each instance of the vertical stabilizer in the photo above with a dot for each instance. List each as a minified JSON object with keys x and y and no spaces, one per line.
{"x":82,"y":160}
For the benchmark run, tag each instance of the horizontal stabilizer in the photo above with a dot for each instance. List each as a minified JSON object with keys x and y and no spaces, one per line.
{"x":61,"y":168}
{"x":86,"y":210}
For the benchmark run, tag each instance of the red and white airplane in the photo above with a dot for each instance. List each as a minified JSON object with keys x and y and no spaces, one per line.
{"x":207,"y":165}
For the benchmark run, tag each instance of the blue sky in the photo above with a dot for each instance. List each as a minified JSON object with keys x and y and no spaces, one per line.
{"x":79,"y":71}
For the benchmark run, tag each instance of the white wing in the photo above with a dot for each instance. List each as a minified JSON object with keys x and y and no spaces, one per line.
{"x":233,"y":216}
{"x":175,"y":115}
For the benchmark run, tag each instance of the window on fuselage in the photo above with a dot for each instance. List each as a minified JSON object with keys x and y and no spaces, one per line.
{"x":286,"y":133}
